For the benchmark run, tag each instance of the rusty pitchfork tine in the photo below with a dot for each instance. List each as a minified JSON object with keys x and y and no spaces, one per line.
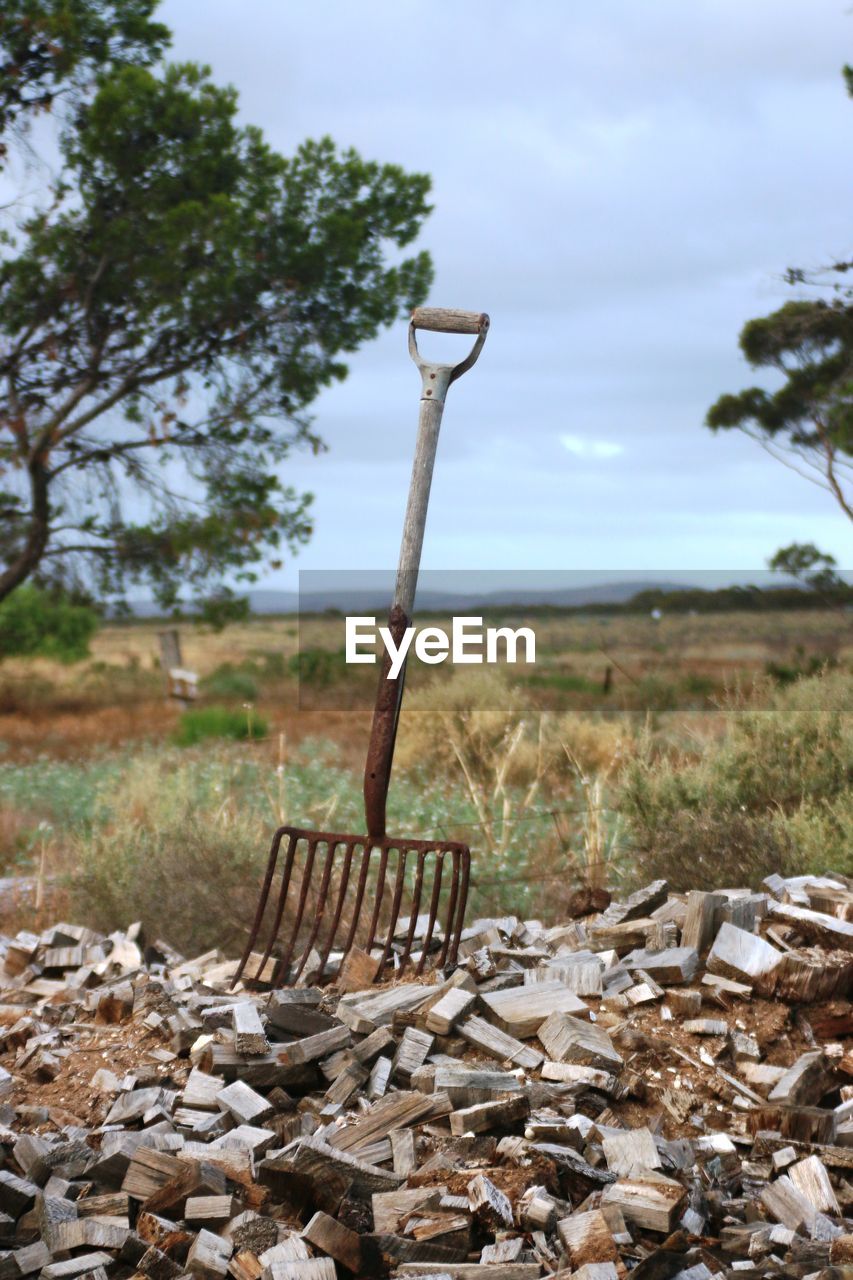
{"x":435,"y":380}
{"x":262,"y":905}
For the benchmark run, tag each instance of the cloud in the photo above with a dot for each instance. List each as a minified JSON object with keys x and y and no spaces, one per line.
{"x":591,"y":448}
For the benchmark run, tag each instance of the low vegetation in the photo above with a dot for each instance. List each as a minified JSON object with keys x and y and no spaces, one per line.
{"x":37,"y":623}
{"x":666,"y":775}
{"x":773,"y":795}
{"x":200,"y":723}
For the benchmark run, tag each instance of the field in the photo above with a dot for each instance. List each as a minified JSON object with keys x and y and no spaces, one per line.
{"x":557,"y":774}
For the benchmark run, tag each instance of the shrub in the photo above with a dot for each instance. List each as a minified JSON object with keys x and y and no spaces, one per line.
{"x":228,"y":681}
{"x":34,"y":623}
{"x":199,"y":723}
{"x":771,"y":796}
{"x":318,"y":667}
{"x":188,"y":870}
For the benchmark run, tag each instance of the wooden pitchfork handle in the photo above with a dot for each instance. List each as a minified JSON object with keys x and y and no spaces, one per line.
{"x":435,"y":380}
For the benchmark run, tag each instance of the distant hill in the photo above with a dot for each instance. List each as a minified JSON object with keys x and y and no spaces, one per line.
{"x":376,"y":600}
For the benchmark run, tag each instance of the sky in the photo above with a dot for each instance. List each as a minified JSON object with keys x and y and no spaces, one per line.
{"x":621,"y":186}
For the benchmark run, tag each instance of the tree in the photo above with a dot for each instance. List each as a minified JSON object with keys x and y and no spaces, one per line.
{"x":52,"y":49}
{"x":166,"y":320}
{"x":814,"y":568}
{"x":808,"y":420}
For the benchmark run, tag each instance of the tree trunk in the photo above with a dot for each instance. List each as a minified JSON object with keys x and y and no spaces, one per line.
{"x":37,"y":538}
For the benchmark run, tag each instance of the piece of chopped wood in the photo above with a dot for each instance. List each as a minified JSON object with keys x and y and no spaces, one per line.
{"x":587,"y":1238}
{"x":670,"y":966}
{"x":803,"y":1083}
{"x":210,"y":1208}
{"x":568,"y":1039}
{"x":497,"y":1044}
{"x":411,"y":1052}
{"x":650,"y":1201}
{"x":491,"y":1208}
{"x":243,"y":1103}
{"x":520,"y":1011}
{"x":403,"y":1151}
{"x":811,"y":1179}
{"x":333,"y":1238}
{"x":449,"y":1009}
{"x":249,"y":1034}
{"x":489,"y":1115}
{"x":743,"y":956}
{"x":630,"y":1151}
{"x":313,"y":1048}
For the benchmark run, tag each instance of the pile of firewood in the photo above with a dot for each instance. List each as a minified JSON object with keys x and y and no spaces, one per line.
{"x":664,"y":1088}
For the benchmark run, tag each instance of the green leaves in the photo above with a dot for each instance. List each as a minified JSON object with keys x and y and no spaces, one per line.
{"x":54,"y":47}
{"x":810,"y":414}
{"x":168,"y":320}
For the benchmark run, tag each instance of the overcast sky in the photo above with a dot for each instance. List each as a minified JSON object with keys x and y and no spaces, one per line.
{"x":621,"y":186}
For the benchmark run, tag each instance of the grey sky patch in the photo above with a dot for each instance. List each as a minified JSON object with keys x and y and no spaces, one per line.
{"x":621,"y":186}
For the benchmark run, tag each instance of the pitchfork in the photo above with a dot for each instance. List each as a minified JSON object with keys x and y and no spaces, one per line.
{"x":353,"y":869}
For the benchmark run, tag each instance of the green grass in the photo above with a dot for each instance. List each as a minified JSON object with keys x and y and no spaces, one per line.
{"x":201,"y":723}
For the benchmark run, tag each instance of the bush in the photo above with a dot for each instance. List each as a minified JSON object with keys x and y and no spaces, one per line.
{"x":318,"y":667}
{"x":34,"y":623}
{"x":771,"y":796}
{"x":228,"y":681}
{"x":199,"y":723}
{"x":188,"y":870}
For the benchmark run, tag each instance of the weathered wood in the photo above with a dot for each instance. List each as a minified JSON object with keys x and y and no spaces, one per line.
{"x":403,"y":1151}
{"x":312,"y":1048}
{"x":587,"y":1238}
{"x":520,"y":1011}
{"x":497,"y":1044}
{"x":465,"y":1087}
{"x":568,"y":1039}
{"x":316,"y":1162}
{"x":449,"y":1009}
{"x":628,"y":1152}
{"x":829,"y":931}
{"x":650,"y":1201}
{"x":201,"y":1089}
{"x":148,"y":1171}
{"x":210,"y":1208}
{"x":811,"y":1179}
{"x":249,"y":1034}
{"x":243,"y":1103}
{"x":787,"y":1205}
{"x":377,"y":1042}
{"x":491,"y":1208}
{"x":333,"y":1238}
{"x":380,"y":1006}
{"x":380,"y":1075}
{"x":743,"y":956}
{"x":639,"y":904}
{"x":357,"y":971}
{"x":411,"y":1052}
{"x":577,"y":1074}
{"x":79,"y":1266}
{"x":396,"y":1111}
{"x":392,"y":1208}
{"x":701,"y":920}
{"x":17,"y":1195}
{"x":208,"y":1256}
{"x":472,"y":1270}
{"x":489,"y":1115}
{"x":804,"y":1082}
{"x":672,"y":966}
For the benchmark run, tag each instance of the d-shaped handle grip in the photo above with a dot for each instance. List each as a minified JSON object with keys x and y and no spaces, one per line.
{"x":446,"y":320}
{"x":449,"y":320}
